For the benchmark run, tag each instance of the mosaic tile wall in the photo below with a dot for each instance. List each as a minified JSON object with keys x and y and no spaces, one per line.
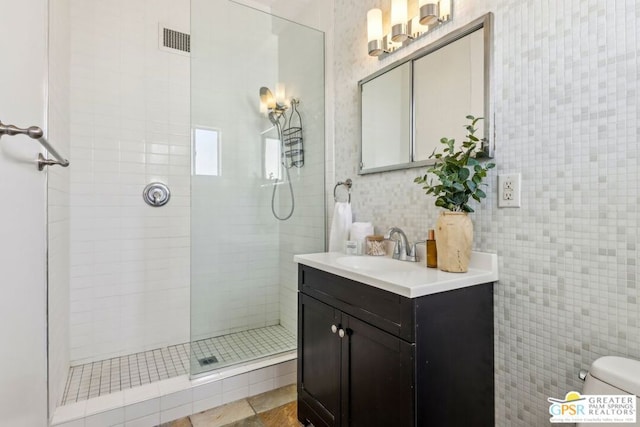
{"x":566,"y":113}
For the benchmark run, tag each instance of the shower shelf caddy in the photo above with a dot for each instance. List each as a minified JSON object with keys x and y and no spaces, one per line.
{"x":292,"y":138}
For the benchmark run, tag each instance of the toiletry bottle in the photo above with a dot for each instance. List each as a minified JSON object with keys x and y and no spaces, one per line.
{"x":432,"y":252}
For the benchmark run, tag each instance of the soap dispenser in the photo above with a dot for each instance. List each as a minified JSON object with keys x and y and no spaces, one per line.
{"x":432,"y":252}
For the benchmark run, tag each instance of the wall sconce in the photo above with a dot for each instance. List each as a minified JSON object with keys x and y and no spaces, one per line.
{"x":273,"y":106}
{"x":431,"y":14}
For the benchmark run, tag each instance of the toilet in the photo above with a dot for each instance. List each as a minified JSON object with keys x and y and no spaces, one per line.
{"x":612,"y":375}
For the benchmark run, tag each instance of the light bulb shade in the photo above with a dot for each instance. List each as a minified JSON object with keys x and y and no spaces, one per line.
{"x":374,"y":25}
{"x":429,"y":13}
{"x":398,"y":12}
{"x":399,"y":33}
{"x":445,"y":10}
{"x":267,"y":101}
{"x":376,"y":47}
{"x":280,"y":93}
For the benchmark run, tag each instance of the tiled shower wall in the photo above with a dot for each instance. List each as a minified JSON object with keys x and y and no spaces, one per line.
{"x":566,"y":113}
{"x":130,"y":126}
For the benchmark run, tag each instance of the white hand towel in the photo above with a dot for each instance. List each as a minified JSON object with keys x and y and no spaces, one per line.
{"x":340,"y":226}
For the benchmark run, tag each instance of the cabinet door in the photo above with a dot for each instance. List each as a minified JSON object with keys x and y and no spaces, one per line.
{"x":318,"y":362}
{"x":378,"y":377}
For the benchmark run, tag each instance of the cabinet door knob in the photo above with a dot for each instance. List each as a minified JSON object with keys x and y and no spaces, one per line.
{"x":341,"y":333}
{"x":334,"y":328}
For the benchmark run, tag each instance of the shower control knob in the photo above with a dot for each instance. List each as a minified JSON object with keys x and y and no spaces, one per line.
{"x":156,"y":194}
{"x":334,"y":328}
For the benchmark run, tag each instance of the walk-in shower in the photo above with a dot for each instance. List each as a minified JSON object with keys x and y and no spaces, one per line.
{"x":160,"y":286}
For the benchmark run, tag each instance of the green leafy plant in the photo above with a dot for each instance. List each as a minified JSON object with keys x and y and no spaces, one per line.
{"x":459,"y":173}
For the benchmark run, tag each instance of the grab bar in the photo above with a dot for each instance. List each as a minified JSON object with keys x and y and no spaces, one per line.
{"x":348,"y":183}
{"x":36,"y":133}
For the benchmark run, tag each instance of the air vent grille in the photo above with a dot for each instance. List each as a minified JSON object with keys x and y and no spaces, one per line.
{"x":176,"y":40}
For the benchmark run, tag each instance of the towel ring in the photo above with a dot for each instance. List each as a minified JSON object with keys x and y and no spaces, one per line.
{"x":348,"y":183}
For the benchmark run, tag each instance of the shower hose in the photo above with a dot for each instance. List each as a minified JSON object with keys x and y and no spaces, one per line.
{"x":275,"y":184}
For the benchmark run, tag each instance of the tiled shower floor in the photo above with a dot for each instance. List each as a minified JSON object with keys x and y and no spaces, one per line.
{"x":120,"y":373}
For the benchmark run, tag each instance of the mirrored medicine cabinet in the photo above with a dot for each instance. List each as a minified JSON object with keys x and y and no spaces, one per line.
{"x":408,"y":106}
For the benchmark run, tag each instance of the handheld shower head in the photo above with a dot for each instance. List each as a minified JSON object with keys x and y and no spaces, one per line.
{"x":274,"y":118}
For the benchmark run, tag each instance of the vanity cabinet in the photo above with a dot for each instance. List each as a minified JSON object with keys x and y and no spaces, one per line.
{"x":369,"y":357}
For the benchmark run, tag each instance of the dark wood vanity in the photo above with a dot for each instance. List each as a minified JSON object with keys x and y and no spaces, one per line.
{"x":369,"y":357}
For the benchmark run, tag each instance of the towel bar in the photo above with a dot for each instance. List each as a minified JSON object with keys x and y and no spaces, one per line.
{"x":36,"y":133}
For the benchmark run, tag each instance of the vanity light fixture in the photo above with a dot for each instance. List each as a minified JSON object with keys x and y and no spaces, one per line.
{"x":374,"y":32}
{"x":431,"y":14}
{"x":399,"y":20}
{"x":428,"y":12}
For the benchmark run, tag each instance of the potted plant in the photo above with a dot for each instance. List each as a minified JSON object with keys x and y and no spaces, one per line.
{"x":454,"y":179}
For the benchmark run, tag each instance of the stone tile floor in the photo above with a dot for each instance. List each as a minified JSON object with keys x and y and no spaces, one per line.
{"x":276,"y":408}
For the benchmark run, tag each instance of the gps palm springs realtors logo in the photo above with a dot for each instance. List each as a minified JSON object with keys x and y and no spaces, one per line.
{"x":593,"y":408}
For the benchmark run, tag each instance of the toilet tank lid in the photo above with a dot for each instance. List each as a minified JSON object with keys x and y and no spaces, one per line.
{"x":619,"y":372}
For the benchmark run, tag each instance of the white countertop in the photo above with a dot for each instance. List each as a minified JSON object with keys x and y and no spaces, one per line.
{"x":408,"y":279}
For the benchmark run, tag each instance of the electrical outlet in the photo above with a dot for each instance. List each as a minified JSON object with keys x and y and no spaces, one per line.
{"x":507,"y":194}
{"x":509,"y":190}
{"x":508,"y":184}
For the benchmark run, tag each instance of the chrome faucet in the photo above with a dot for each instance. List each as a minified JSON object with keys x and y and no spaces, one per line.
{"x":402,"y":250}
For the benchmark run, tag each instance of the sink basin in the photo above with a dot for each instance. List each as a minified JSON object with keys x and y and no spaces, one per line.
{"x":408,"y":279}
{"x":370,"y":263}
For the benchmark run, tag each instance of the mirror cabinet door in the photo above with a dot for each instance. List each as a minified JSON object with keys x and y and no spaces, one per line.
{"x":386,"y":119}
{"x":448,"y":86}
{"x":408,"y":106}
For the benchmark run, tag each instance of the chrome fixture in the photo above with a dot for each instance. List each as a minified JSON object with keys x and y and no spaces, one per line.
{"x":273,"y":106}
{"x":156,"y":194}
{"x":348,"y":183}
{"x":34,"y":132}
{"x":399,"y":21}
{"x":404,"y":30}
{"x":402,"y":250}
{"x":583,"y":374}
{"x":434,"y":12}
{"x":291,"y":149}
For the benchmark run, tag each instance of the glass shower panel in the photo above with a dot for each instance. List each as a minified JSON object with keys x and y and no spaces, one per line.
{"x":243,"y":279}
